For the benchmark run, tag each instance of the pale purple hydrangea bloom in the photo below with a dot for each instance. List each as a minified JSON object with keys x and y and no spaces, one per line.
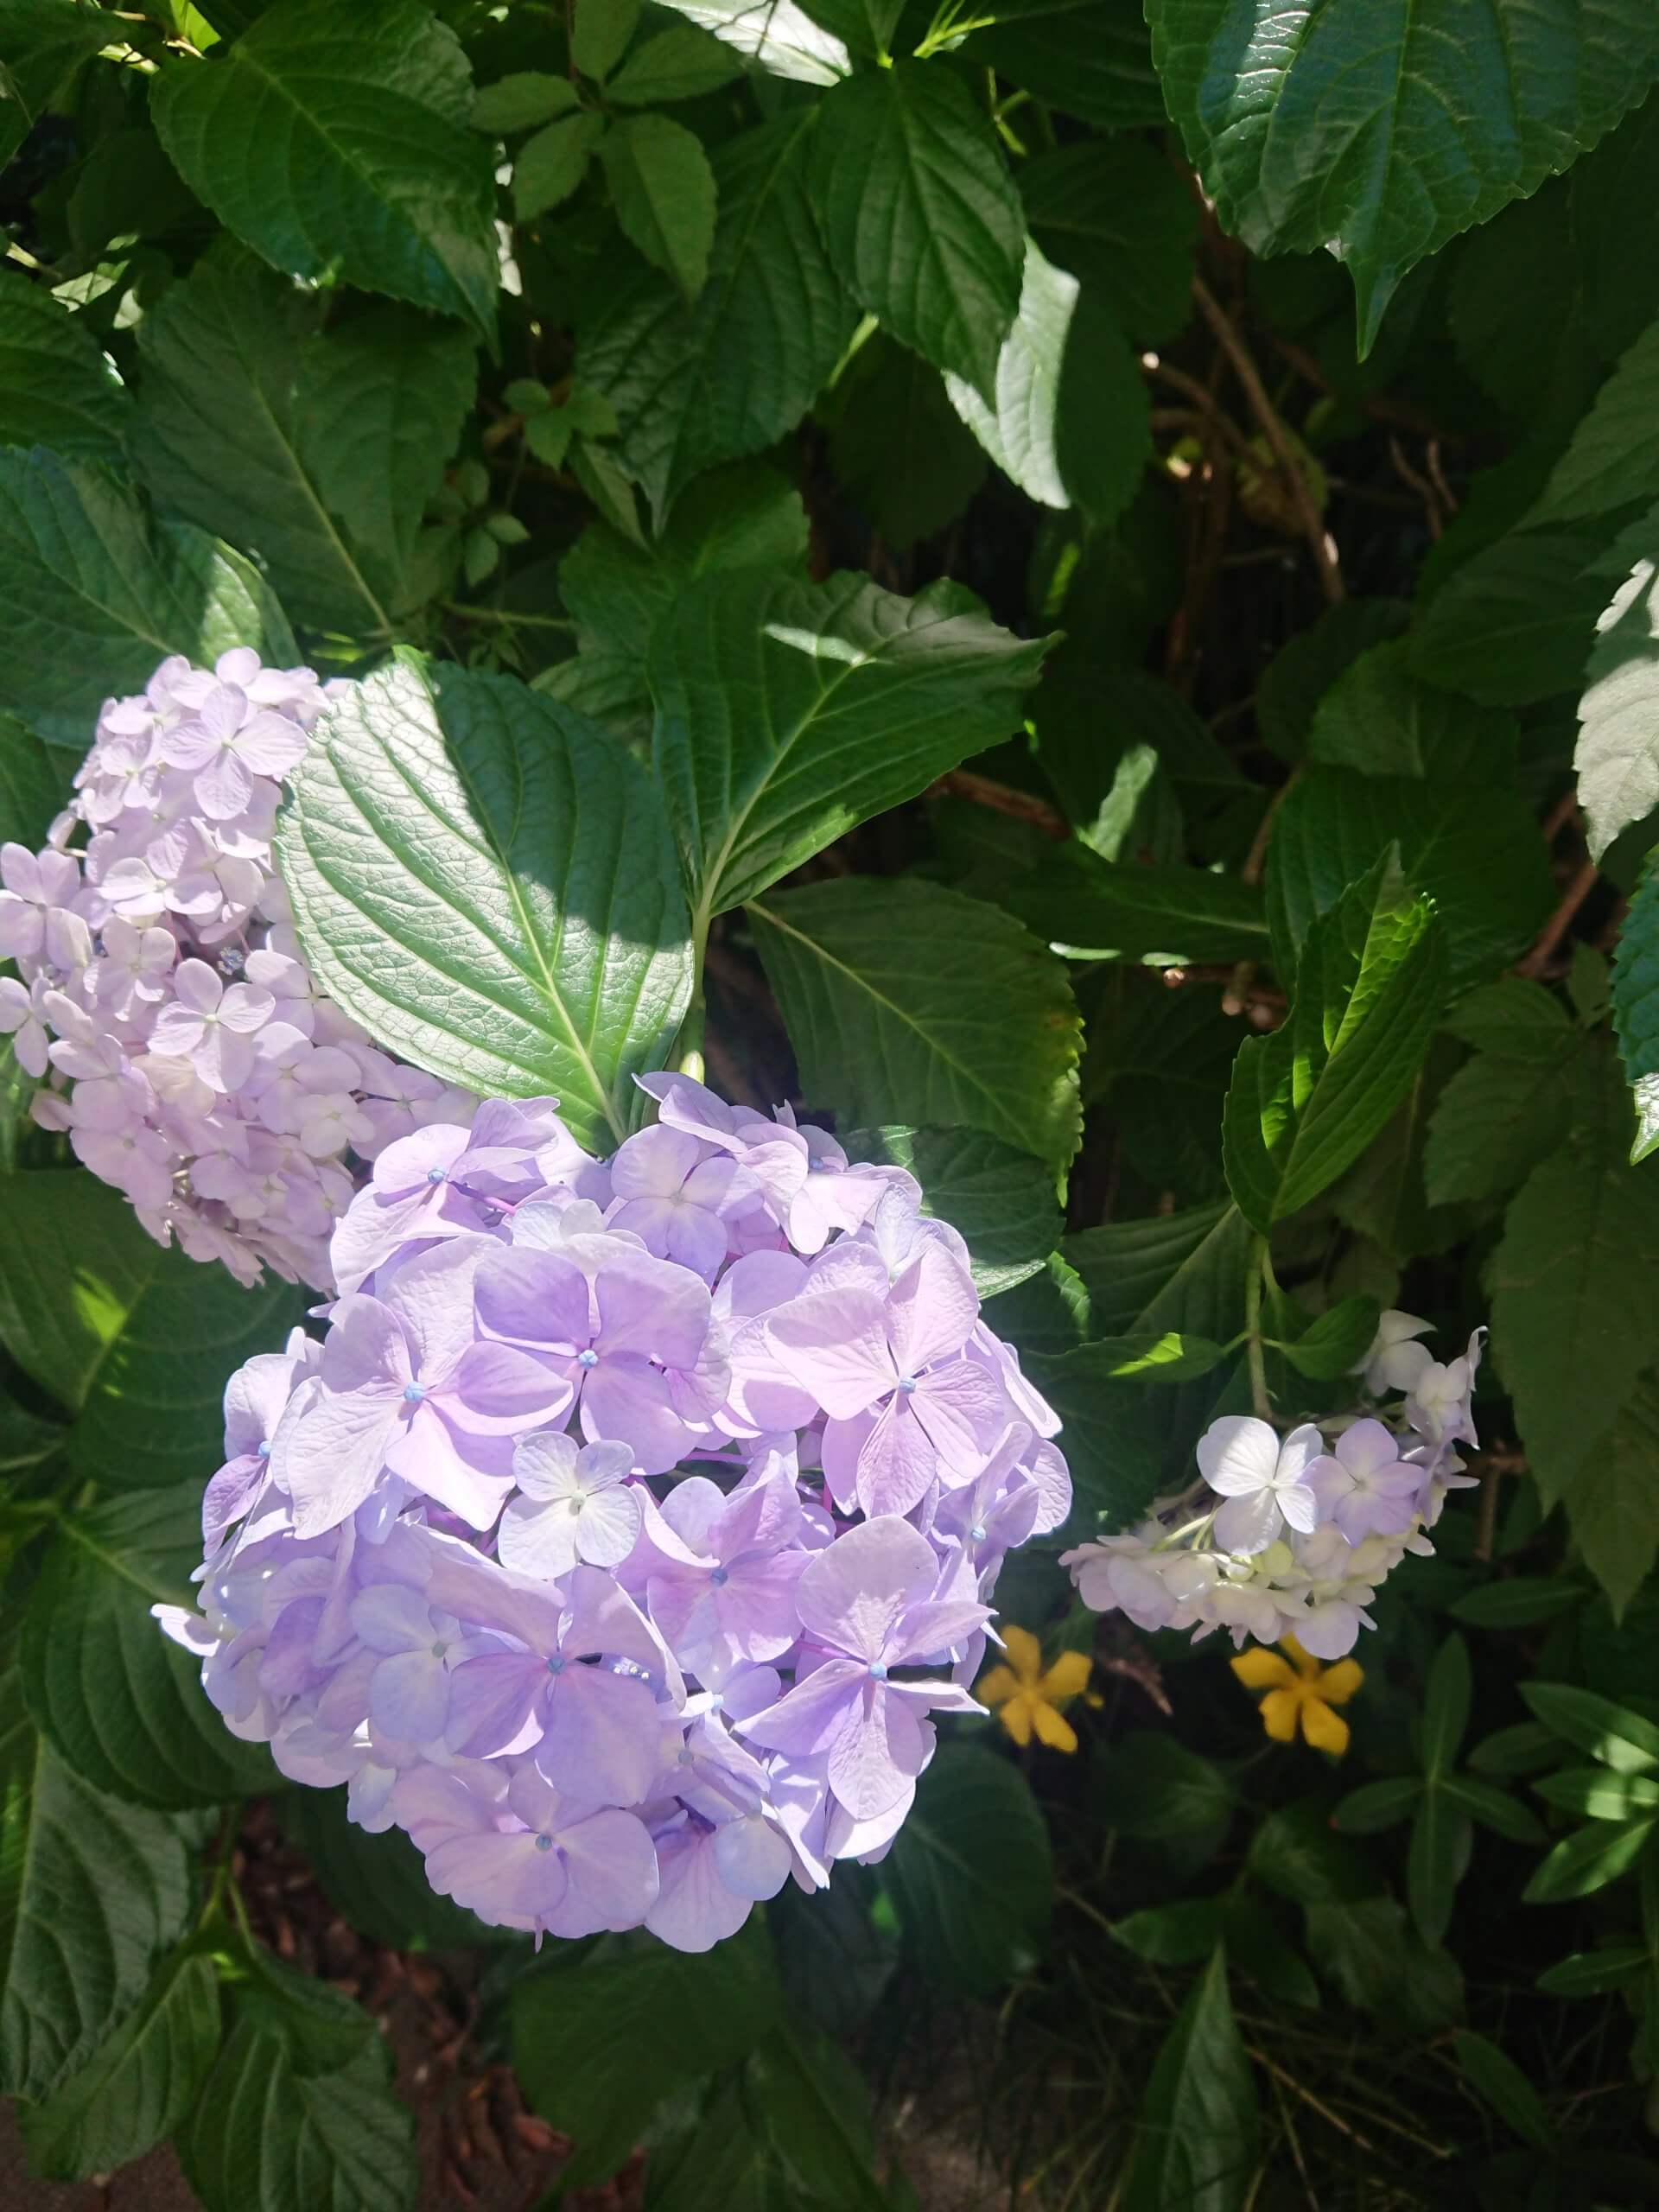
{"x":190,"y":1058}
{"x":632,"y":1520}
{"x":1302,"y":1535}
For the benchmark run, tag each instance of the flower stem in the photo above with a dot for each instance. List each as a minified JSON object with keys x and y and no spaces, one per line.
{"x":1255,"y":1353}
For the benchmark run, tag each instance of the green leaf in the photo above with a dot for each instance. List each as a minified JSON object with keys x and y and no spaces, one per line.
{"x":91,"y":1892}
{"x":1514,"y":1017}
{"x":1494,"y":1808}
{"x":1591,"y":1974}
{"x":1197,"y":2131}
{"x":56,"y":388}
{"x":141,"y":2085}
{"x":1636,"y":1006}
{"x":1609,"y":1505}
{"x":371,"y":123}
{"x":1302,"y":672}
{"x":97,"y":593}
{"x":599,"y":2041}
{"x":1475,"y":849}
{"x":315,"y":449}
{"x":781,"y":36}
{"x":1179,"y":1934}
{"x":1337,"y":1341}
{"x":1619,"y":1738}
{"x":1069,"y":419}
{"x":117,"y":1698}
{"x":1595,"y":1794}
{"x":1000,"y":1202}
{"x":678,"y":65}
{"x":969,"y":1873}
{"x":898,"y":446}
{"x":812,"y":2100}
{"x":1617,"y":755}
{"x":920,"y":215}
{"x":788,"y":712}
{"x":1588,"y":1859}
{"x":693,"y":386}
{"x":1514,"y":621}
{"x":135,"y":1341}
{"x":907,"y":1003}
{"x":1376,"y":1805}
{"x":1580,"y":1255}
{"x":1445,"y":1706}
{"x":1114,"y":213}
{"x":1612,"y":460}
{"x":1307,"y":1101}
{"x":1113,"y":1437}
{"x":46,"y":45}
{"x":664,"y":191}
{"x":31,"y":788}
{"x":299,"y":2111}
{"x":1126,"y":1265}
{"x":1495,"y":1121}
{"x":1499,"y":2082}
{"x":548,"y":169}
{"x":1382,"y":719}
{"x":481,"y":873}
{"x":1103,"y":910}
{"x":1087,"y":57}
{"x":600,"y":34}
{"x":522,"y":100}
{"x":1519,"y":1601}
{"x":1437,"y":1858}
{"x":1382,"y":135}
{"x":1155,"y":1787}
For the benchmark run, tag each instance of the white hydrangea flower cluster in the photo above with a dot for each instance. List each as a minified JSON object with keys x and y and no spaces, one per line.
{"x":1292,"y":1535}
{"x":164,"y":1003}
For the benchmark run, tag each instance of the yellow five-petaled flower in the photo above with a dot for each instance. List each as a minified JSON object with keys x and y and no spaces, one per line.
{"x":1301,"y":1691}
{"x":1028,"y":1699}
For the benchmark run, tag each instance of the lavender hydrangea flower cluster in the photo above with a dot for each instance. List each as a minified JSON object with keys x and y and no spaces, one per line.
{"x":186,"y":1046}
{"x":1291,"y":1535}
{"x":632,"y":1520}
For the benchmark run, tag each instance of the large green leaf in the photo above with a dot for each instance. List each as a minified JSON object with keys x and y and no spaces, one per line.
{"x":778,"y":34}
{"x":663,"y":192}
{"x":31,"y":787}
{"x":1000,"y":1201}
{"x":1515,"y":622}
{"x":693,"y":386}
{"x":1497,"y":1118}
{"x":598,"y":2042}
{"x":44,"y":45}
{"x":1125,"y":1266}
{"x":898,"y":446}
{"x":1612,"y":460}
{"x":1609,"y":1505}
{"x":1636,"y":1006}
{"x":1473,"y":846}
{"x":96,"y":592}
{"x":1196,"y":2142}
{"x":91,"y":1892}
{"x":1384,"y":721}
{"x":1100,"y":909}
{"x":133,"y":1340}
{"x":907,"y":1003}
{"x":969,"y":1873}
{"x":315,"y":449}
{"x":1369,"y":127}
{"x":787,"y":712}
{"x":339,"y":147}
{"x":56,"y":388}
{"x":299,"y":2113}
{"x":483,"y":875}
{"x":140,"y":2086}
{"x":1579,"y":1256}
{"x":114,"y":1696}
{"x":1089,"y":57}
{"x":1307,"y":1101}
{"x":920,"y":215}
{"x":1114,"y":213}
{"x":1068,"y":416}
{"x":1617,"y":755}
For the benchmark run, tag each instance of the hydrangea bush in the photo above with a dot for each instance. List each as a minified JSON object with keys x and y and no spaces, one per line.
{"x":822,"y":849}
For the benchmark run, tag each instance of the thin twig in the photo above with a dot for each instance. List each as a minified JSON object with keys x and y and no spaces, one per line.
{"x":1003,"y":799}
{"x":1319,"y":539}
{"x":1314,"y":2103}
{"x":1556,"y":928}
{"x":1420,"y":485}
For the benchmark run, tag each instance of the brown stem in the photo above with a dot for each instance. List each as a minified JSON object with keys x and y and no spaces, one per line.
{"x":1319,"y":539}
{"x":1556,"y":928}
{"x":1020,"y":806}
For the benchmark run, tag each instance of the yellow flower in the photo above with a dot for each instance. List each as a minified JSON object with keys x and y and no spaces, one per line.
{"x":1029,"y":1699}
{"x":1300,"y":1689}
